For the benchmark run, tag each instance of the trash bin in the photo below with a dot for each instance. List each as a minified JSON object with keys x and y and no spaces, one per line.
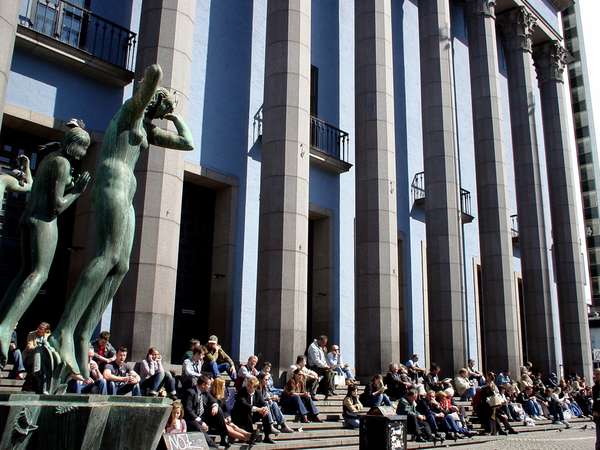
{"x":383,"y":432}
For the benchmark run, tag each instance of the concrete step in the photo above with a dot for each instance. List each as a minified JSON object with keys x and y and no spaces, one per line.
{"x":311,"y":443}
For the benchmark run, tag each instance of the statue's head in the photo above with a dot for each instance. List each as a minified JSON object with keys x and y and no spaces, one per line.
{"x":163,"y":102}
{"x":76,"y":140}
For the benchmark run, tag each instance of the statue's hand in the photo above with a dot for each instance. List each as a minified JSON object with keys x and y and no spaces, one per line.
{"x":82,"y":183}
{"x":172,"y":117}
{"x":23,"y":161}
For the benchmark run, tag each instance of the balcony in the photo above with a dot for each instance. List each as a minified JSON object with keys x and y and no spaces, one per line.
{"x":67,"y":32}
{"x":329,"y":146}
{"x":514,"y":228}
{"x":417,"y":188}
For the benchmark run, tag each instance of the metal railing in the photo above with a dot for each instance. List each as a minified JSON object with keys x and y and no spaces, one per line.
{"x":329,"y":139}
{"x":76,"y":26}
{"x":417,"y":188}
{"x":514,"y":226}
{"x":324,"y":137}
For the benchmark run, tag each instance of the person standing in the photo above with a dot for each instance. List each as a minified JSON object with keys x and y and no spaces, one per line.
{"x":596,"y":405}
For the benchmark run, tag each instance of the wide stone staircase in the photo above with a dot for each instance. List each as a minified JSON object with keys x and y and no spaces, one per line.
{"x":331,"y":433}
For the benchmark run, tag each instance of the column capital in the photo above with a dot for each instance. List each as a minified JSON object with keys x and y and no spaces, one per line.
{"x":517,"y":27}
{"x":487,"y":8}
{"x":550,"y":59}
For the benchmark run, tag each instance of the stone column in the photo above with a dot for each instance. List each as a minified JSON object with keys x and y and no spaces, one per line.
{"x":283,"y":237}
{"x":500,"y":328}
{"x":442,"y":207}
{"x":144,"y":308}
{"x":377,"y":302}
{"x":517,"y":28}
{"x":8,"y":29}
{"x":550,"y":62}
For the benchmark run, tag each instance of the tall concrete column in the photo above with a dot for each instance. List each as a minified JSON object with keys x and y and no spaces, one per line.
{"x":144,"y":307}
{"x":8,"y":29}
{"x":550,"y":62}
{"x":442,"y":207}
{"x":283,"y":237}
{"x":499,"y":327}
{"x":377,"y":302}
{"x":517,"y":28}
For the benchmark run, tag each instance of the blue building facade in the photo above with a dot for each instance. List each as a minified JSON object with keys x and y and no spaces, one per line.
{"x":213,"y":286}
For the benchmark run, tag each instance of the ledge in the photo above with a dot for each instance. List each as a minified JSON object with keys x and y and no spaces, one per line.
{"x":327,"y":162}
{"x":54,"y":50}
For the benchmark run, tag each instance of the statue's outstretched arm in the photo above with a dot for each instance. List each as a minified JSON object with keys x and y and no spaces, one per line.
{"x":182,"y":140}
{"x":145,"y":90}
{"x":23,"y":175}
{"x":61,"y":200}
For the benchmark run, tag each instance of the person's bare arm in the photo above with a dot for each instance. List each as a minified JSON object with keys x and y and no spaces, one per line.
{"x":145,"y":91}
{"x":108,"y":376}
{"x":182,"y":140}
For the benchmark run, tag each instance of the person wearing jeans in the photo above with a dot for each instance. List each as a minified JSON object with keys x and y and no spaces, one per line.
{"x":374,"y":394}
{"x":95,"y":382}
{"x":120,"y":378}
{"x":18,"y":369}
{"x":153,"y":375}
{"x":216,"y":360}
{"x":296,"y":400}
{"x":530,"y":404}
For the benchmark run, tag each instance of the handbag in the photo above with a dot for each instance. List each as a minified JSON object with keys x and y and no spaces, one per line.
{"x":494,"y":400}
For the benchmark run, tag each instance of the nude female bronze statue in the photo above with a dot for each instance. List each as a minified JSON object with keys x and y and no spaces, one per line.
{"x":129,"y":133}
{"x":54,"y":190}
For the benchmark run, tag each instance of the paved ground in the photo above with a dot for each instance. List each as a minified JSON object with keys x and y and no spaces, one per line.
{"x":575,"y":438}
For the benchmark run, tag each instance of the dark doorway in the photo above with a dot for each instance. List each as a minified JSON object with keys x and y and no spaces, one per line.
{"x":403,"y":310}
{"x":194,"y":268}
{"x":523,"y":317}
{"x":314,"y":91}
{"x":319,"y":308}
{"x":482,"y":357}
{"x":49,"y":303}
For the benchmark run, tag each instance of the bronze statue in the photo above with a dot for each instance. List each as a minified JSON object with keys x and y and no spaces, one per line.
{"x":19,"y":180}
{"x":54,"y":190}
{"x":130,"y":132}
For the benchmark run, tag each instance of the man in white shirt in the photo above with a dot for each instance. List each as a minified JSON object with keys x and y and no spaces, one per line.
{"x":192,"y":368}
{"x":335,"y":361}
{"x":415,"y":371}
{"x":318,"y":362}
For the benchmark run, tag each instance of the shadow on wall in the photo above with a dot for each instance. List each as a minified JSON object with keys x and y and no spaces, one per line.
{"x":42,"y":86}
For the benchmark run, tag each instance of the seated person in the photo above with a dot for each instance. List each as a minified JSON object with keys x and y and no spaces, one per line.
{"x":271,"y":401}
{"x":176,"y":424}
{"x":248,"y":369}
{"x":464,"y":387}
{"x":193,"y":344}
{"x":449,"y":420}
{"x":120,"y":378}
{"x":416,"y":423}
{"x":218,"y":391}
{"x":310,"y":376}
{"x":296,"y":400}
{"x":374,"y":394}
{"x":104,"y":352}
{"x":351,"y":408}
{"x":95,"y":384}
{"x":415,"y":371}
{"x":474,"y":373}
{"x":335,"y":361}
{"x":272,"y":389}
{"x":154,"y":375}
{"x":318,"y":362}
{"x":37,"y":356}
{"x":503,"y":377}
{"x":249,"y":407}
{"x":16,"y":357}
{"x":530,"y":404}
{"x":397,"y":382}
{"x":202,"y":412}
{"x":433,"y":382}
{"x":216,"y":360}
{"x":191,"y":369}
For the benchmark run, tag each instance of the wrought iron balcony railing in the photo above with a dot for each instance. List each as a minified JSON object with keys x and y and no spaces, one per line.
{"x":514,"y":227}
{"x":74,"y":25}
{"x":325,"y":138}
{"x":417,"y":188}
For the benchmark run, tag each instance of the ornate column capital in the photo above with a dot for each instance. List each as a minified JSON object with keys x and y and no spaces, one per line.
{"x":485,"y":7}
{"x":550,"y":60}
{"x":517,"y":28}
